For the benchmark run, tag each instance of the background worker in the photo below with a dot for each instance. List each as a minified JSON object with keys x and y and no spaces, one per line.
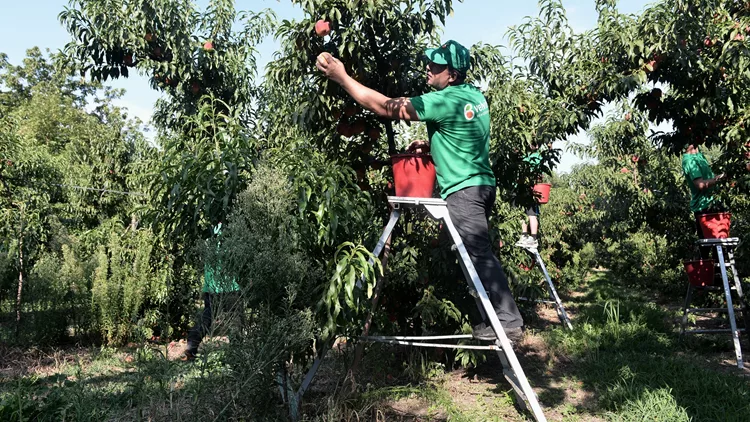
{"x":530,"y":230}
{"x":702,"y":183}
{"x":458,"y":124}
{"x":217,"y":293}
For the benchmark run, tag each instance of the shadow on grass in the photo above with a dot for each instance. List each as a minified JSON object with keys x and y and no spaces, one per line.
{"x":106,"y":388}
{"x":625,"y":352}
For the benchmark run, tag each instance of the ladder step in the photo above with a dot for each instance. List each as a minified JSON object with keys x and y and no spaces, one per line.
{"x":525,"y":299}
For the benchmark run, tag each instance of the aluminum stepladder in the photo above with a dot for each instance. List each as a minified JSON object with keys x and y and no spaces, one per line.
{"x":719,"y":245}
{"x":554,"y":298}
{"x":512,"y":369}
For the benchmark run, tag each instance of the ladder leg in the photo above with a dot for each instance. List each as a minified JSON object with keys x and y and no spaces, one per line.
{"x":512,"y":370}
{"x":296,"y":399}
{"x":395,"y":215}
{"x":685,"y":307}
{"x":553,"y":293}
{"x":730,"y":308}
{"x":740,"y":293}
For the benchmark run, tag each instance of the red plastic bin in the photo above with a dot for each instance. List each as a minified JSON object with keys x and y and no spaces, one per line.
{"x":543,"y":190}
{"x":716,"y":225}
{"x":413,"y":175}
{"x":700,"y":273}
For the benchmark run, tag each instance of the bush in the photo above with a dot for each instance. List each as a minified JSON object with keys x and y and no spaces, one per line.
{"x":645,"y":259}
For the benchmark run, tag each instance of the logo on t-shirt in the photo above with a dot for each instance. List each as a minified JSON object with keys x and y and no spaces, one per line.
{"x":469,"y":112}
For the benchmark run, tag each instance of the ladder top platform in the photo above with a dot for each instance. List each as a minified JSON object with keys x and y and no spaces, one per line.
{"x":732,"y":241}
{"x":404,"y":200}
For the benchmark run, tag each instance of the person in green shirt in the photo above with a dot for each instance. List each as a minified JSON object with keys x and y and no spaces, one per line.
{"x":457,"y":117}
{"x":702,"y":184}
{"x":529,"y":231}
{"x":217,"y":292}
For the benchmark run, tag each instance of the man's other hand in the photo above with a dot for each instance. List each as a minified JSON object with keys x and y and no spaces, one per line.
{"x":418,"y":147}
{"x":331,"y":67}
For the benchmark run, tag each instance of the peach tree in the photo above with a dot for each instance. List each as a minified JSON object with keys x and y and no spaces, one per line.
{"x":204,"y":64}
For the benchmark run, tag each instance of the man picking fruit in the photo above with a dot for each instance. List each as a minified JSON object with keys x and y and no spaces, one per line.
{"x":702,"y":183}
{"x":458,"y":124}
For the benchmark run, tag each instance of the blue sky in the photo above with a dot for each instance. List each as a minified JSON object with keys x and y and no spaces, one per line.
{"x":29,"y":23}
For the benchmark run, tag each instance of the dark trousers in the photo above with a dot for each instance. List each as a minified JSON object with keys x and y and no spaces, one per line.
{"x":229,"y":304}
{"x":469,"y":210}
{"x":199,"y":330}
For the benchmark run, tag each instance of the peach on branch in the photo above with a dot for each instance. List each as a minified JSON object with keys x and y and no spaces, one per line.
{"x":322,"y":28}
{"x":350,"y":110}
{"x":358,"y":127}
{"x":374,"y":133}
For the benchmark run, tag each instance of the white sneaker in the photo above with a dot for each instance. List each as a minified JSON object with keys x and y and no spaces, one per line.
{"x":523,"y":240}
{"x":528,"y":242}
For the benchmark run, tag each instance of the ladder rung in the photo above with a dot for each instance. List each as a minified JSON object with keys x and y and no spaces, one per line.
{"x":712,"y":288}
{"x":419,"y":338}
{"x":717,"y":330}
{"x":437,"y":345}
{"x":694,"y":310}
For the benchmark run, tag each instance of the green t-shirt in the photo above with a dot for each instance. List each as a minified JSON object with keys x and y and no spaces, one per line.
{"x":458,"y":124}
{"x":213,"y":280}
{"x":215,"y":283}
{"x":695,"y":166}
{"x":535,"y":161}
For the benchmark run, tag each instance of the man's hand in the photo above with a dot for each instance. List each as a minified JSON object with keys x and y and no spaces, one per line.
{"x":418,"y":147}
{"x":331,"y":67}
{"x":392,"y":108}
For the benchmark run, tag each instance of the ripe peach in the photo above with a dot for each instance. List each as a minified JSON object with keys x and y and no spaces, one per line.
{"x":322,"y":28}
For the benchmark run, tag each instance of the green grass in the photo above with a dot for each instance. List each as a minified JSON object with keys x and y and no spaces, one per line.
{"x":622,"y":362}
{"x":104,"y":384}
{"x":626,"y":351}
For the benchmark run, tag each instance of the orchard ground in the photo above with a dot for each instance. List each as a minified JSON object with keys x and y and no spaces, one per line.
{"x":623,"y":361}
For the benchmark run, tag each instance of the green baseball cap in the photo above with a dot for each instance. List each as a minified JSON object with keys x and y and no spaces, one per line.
{"x":452,"y":54}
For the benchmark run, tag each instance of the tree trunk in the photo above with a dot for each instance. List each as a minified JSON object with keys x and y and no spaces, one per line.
{"x":20,"y":278}
{"x":391,"y":134}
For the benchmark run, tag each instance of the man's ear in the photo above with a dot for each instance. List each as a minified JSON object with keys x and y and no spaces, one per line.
{"x":453,"y":76}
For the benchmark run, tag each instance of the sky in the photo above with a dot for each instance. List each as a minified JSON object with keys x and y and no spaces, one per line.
{"x":35,"y":23}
